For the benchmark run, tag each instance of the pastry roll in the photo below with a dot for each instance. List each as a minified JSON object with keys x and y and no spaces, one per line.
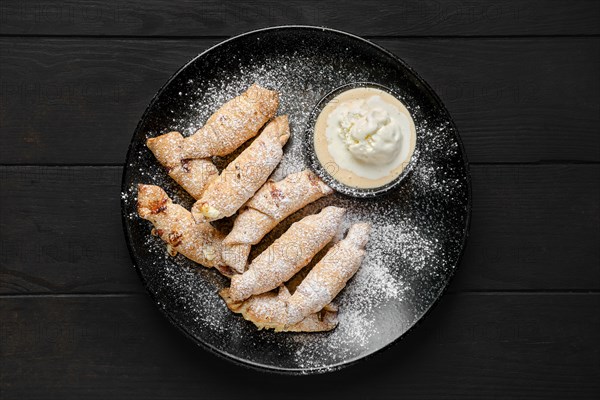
{"x":187,"y":159}
{"x":174,"y":224}
{"x":268,"y":311}
{"x":245,"y":175}
{"x":288,"y":254}
{"x":191,"y":174}
{"x":329,"y":276}
{"x":274,"y":202}
{"x":233,"y":124}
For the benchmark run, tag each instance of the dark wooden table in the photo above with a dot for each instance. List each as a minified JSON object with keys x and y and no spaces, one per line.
{"x":521,"y":318}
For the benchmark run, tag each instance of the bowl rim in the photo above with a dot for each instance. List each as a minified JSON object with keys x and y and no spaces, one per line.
{"x":321,"y":170}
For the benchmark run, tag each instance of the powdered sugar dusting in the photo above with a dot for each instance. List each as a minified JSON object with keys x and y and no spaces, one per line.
{"x":417,"y":229}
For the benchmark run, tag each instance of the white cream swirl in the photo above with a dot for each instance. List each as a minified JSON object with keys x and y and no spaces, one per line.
{"x":366,"y":136}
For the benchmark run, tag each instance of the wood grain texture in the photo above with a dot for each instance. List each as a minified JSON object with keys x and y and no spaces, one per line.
{"x":521,"y":316}
{"x":386,"y":17}
{"x":533,"y":228}
{"x":61,"y":231}
{"x":472,"y":346}
{"x":77,"y":101}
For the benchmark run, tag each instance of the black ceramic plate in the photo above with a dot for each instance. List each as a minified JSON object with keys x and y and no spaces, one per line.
{"x":419,"y":227}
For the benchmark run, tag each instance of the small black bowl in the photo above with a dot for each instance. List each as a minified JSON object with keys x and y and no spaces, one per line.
{"x":326,"y":172}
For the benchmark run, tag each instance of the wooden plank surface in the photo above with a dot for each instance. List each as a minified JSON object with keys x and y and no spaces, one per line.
{"x":77,"y":101}
{"x":521,"y":316}
{"x":73,"y":216}
{"x":472,"y":346}
{"x":224,"y":18}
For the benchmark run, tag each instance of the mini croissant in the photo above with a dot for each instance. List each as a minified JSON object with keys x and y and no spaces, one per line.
{"x":233,"y":124}
{"x":274,"y":202}
{"x":329,"y":276}
{"x":309,"y":308}
{"x":268,"y":311}
{"x":288,"y":254}
{"x":174,"y":224}
{"x":187,"y":159}
{"x":245,"y":175}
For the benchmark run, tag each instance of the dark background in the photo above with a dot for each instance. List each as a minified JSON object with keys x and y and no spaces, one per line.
{"x":520,"y":320}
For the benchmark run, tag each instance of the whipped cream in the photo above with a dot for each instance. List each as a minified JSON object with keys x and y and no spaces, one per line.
{"x":369,"y":136}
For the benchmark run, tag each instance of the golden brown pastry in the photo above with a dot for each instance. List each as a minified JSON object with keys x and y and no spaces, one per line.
{"x":187,"y":159}
{"x":288,"y":254}
{"x":245,"y":175}
{"x":274,"y":202}
{"x":329,"y":276}
{"x":191,"y":174}
{"x":174,"y":224}
{"x":233,"y":124}
{"x":268,"y":311}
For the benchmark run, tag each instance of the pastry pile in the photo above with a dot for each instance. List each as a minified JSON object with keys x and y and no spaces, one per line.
{"x":258,"y":289}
